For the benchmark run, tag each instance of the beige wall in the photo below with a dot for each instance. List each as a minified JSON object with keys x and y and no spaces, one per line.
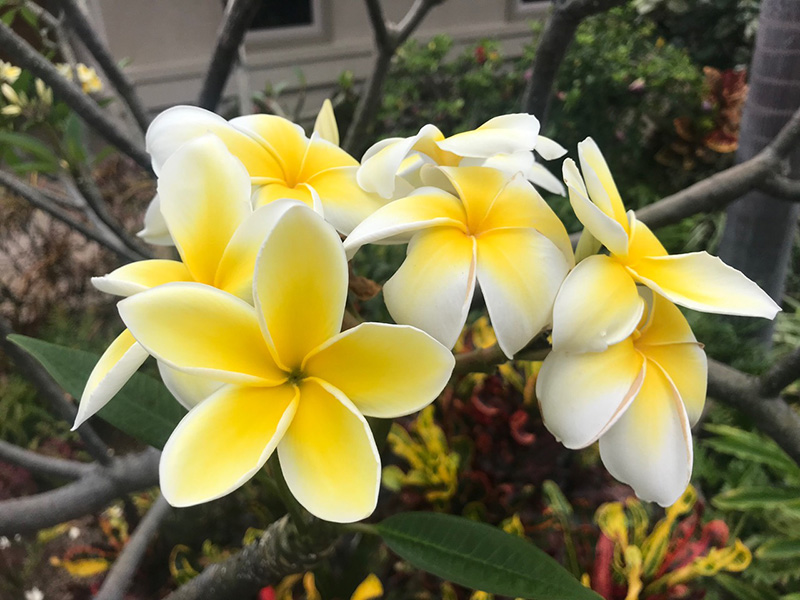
{"x":168,"y":42}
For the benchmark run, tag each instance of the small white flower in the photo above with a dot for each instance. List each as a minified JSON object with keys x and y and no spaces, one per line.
{"x":34,"y":594}
{"x":4,"y":542}
{"x":73,"y":533}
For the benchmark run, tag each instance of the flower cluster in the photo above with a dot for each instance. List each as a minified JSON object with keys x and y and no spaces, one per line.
{"x":246,"y":326}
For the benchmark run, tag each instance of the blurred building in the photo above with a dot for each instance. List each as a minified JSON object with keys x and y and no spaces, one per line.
{"x":166,"y":44}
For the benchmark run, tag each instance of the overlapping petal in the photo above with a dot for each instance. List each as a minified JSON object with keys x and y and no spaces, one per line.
{"x":116,"y":366}
{"x":222,"y":442}
{"x":433,"y":287}
{"x":300,"y":285}
{"x":325,"y":125}
{"x":141,"y":275}
{"x":202,"y":331}
{"x":477,"y":187}
{"x":385,"y":370}
{"x":329,"y":457}
{"x":504,"y":134}
{"x":189,"y":390}
{"x":285,"y":141}
{"x":520,"y":272}
{"x":205,"y":196}
{"x":597,"y":306}
{"x":703,"y":282}
{"x":650,"y":446}
{"x":602,"y":189}
{"x":344,"y":203}
{"x":155,"y":229}
{"x":581,"y":395}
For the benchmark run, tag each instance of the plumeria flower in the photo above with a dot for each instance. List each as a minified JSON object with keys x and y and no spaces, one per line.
{"x":598,"y":304}
{"x":281,"y":160}
{"x":293,"y":382}
{"x":8,"y":72}
{"x":497,"y":230}
{"x":88,"y":78}
{"x":205,"y":195}
{"x":504,"y":143}
{"x":639,"y":397}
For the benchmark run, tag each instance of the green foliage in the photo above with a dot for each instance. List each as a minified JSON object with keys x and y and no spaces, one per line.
{"x":479,"y":556}
{"x":143,"y":408}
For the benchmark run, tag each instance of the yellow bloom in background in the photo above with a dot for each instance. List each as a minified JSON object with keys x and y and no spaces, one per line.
{"x":8,"y":72}
{"x":497,"y":231}
{"x":639,"y":397}
{"x":598,"y":304}
{"x":205,"y":194}
{"x":391,"y":166}
{"x":281,"y":161}
{"x":293,"y":382}
{"x":88,"y":78}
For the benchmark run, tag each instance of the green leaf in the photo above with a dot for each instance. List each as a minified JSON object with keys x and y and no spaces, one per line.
{"x":779,"y":549}
{"x":751,"y":447}
{"x":74,"y":142}
{"x":753,"y":498}
{"x":33,"y":146}
{"x":143,"y":408}
{"x":479,"y":556}
{"x":740,"y":590}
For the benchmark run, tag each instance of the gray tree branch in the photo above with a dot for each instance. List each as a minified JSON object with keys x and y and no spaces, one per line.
{"x":783,"y":373}
{"x":121,"y":574}
{"x":553,"y":45}
{"x":782,"y":187}
{"x":89,"y":494}
{"x":41,"y":464}
{"x":238,"y":16}
{"x":25,"y":56}
{"x":83,"y":28}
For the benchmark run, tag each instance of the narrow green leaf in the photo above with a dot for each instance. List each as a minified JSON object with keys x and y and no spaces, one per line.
{"x":751,"y":498}
{"x":779,"y":549}
{"x":143,"y":408}
{"x":479,"y":556}
{"x":751,"y":447}
{"x":740,"y":590}
{"x":30,"y":145}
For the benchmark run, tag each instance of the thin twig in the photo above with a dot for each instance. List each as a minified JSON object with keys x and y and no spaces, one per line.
{"x":51,"y":392}
{"x":121,"y":574}
{"x":485,"y":360}
{"x":88,"y":36}
{"x":38,"y":200}
{"x":783,"y":373}
{"x":25,"y":56}
{"x":41,"y":464}
{"x":553,"y":45}
{"x":238,"y":16}
{"x":89,"y":494}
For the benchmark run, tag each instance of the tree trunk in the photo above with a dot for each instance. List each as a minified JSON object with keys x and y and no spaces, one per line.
{"x":760,"y":230}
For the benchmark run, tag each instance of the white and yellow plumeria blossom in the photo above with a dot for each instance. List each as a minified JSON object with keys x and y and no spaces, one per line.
{"x":505,"y":143}
{"x":639,"y":397}
{"x":497,"y":231}
{"x":293,"y":381}
{"x":598,"y":304}
{"x":281,"y":161}
{"x":205,"y":195}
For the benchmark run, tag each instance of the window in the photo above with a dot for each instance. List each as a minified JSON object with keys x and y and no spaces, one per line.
{"x":278,"y":14}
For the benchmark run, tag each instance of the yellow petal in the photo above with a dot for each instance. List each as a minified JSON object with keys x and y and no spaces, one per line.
{"x":650,"y":446}
{"x":205,"y":195}
{"x":345,"y":204}
{"x":222,"y":442}
{"x":643,"y":242}
{"x":703,"y":282}
{"x":180,"y":124}
{"x":433,"y":288}
{"x":477,"y":187}
{"x":386,"y":370}
{"x":325,"y":124}
{"x":235,"y":271}
{"x":202,"y":331}
{"x":328,"y":456}
{"x":322,"y":155}
{"x":597,"y":306}
{"x":369,"y":589}
{"x":519,"y":205}
{"x":582,"y":395}
{"x":398,"y":221}
{"x":189,"y":390}
{"x":602,"y":226}
{"x":602,"y":189}
{"x":665,"y":324}
{"x":687,"y":366}
{"x":520,"y":272}
{"x":300,"y":284}
{"x":142,"y":275}
{"x":116,"y":366}
{"x":271,"y":192}
{"x":284,"y":140}
{"x":501,"y":135}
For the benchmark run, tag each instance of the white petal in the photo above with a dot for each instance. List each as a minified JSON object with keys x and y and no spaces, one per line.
{"x":505,"y":134}
{"x":155,"y":230}
{"x":187,"y":389}
{"x":549,"y":149}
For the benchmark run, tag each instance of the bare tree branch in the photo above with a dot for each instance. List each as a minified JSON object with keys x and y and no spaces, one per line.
{"x":38,"y":200}
{"x":553,"y":45}
{"x":280,"y":551}
{"x":52,"y":393}
{"x":83,"y":28}
{"x":238,"y":16}
{"x":785,"y":372}
{"x":121,"y":574}
{"x":388,"y":38}
{"x":25,"y":56}
{"x":782,"y":187}
{"x":88,"y":494}
{"x":41,"y":464}
{"x":485,"y":360}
